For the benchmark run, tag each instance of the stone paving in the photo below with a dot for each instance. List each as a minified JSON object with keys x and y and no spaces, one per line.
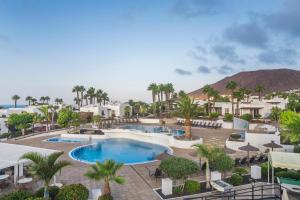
{"x":138,"y":183}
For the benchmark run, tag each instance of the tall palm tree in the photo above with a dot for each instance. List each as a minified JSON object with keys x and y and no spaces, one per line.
{"x":76,"y":89}
{"x":105,"y":98}
{"x":169,"y":91}
{"x":82,"y":90}
{"x":15,"y":98}
{"x":232,"y":85}
{"x":42,"y":99}
{"x":53,"y":109}
{"x":56,"y":101}
{"x":239,"y":96}
{"x":77,"y":101}
{"x":209,"y":91}
{"x":205,"y":152}
{"x":29,"y":99}
{"x":34,"y":101}
{"x":107,"y":172}
{"x":46,"y":115}
{"x":260,"y":89}
{"x":99,"y":96}
{"x":154,"y":89}
{"x":45,"y":167}
{"x":91,"y":94}
{"x":161,"y":91}
{"x":47,"y":99}
{"x":86,"y":98}
{"x":187,"y":109}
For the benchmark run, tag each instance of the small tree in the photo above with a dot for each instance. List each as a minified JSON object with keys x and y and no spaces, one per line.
{"x":127,"y":111}
{"x":20,"y":121}
{"x":221,"y":162}
{"x":178,"y":168}
{"x":97,"y":120}
{"x":46,"y":115}
{"x":67,"y":118}
{"x":290,"y":121}
{"x":106,"y":171}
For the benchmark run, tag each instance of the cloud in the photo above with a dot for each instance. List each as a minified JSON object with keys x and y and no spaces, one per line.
{"x":183,"y":72}
{"x":249,"y":34}
{"x":225,"y":69}
{"x":194,"y":8}
{"x":227,"y":53}
{"x":203,"y":70}
{"x":281,"y":56}
{"x":199,"y":53}
{"x":286,"y":19}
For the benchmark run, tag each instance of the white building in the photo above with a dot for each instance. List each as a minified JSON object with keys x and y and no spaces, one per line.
{"x":254,"y":107}
{"x":108,"y":110}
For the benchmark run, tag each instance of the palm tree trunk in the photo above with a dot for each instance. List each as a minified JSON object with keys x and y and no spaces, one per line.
{"x":232,"y":105}
{"x":106,"y":189}
{"x":207,"y":174}
{"x":153,"y":97}
{"x":46,"y":192}
{"x":15,"y":103}
{"x":187,"y":127}
{"x":238,"y":108}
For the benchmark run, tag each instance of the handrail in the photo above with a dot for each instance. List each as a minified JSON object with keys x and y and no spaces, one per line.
{"x":246,"y":192}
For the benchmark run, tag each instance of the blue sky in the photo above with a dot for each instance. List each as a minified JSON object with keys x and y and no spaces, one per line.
{"x":121,"y":46}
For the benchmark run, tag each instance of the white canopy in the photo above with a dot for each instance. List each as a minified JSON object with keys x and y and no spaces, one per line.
{"x":10,"y":153}
{"x":285,"y":160}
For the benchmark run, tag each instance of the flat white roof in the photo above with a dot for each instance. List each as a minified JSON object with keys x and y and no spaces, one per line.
{"x":10,"y":153}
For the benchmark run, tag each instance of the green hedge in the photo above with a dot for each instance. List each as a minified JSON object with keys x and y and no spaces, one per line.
{"x":191,"y":186}
{"x":228,"y":117}
{"x":73,"y":192}
{"x":240,"y":171}
{"x":17,"y":195}
{"x":236,"y":180}
{"x":35,"y":198}
{"x":53,"y":191}
{"x":105,"y":197}
{"x":213,"y":115}
{"x":246,"y":117}
{"x":288,"y":174}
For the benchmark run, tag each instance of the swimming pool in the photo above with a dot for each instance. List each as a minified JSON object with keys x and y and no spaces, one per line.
{"x":153,"y":129}
{"x":126,"y":151}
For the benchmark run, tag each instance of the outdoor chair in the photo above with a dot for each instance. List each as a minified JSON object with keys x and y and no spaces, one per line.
{"x":204,"y":124}
{"x":209,"y":125}
{"x":252,"y":159}
{"x":237,"y":161}
{"x":201,"y":124}
{"x":243,"y":161}
{"x":157,"y":174}
{"x":220,"y":125}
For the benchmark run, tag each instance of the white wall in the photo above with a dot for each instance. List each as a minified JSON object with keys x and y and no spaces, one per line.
{"x":3,"y":128}
{"x":149,"y":121}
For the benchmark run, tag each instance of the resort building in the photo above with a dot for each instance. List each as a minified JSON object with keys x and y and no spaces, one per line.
{"x":111,"y":109}
{"x":254,"y":106}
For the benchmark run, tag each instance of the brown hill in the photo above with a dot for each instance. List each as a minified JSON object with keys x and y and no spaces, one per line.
{"x":273,"y":80}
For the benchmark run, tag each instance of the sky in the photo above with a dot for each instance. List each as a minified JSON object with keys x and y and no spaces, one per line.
{"x":121,"y":46}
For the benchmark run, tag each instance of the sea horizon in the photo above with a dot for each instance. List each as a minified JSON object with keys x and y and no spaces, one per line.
{"x":6,"y":106}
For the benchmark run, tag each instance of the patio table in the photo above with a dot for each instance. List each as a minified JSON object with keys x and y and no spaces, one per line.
{"x":3,"y":177}
{"x":24,"y":180}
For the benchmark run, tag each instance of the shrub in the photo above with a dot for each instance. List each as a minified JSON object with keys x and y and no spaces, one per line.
{"x":228,"y":117}
{"x":105,"y":197}
{"x":288,"y":174}
{"x":53,"y":191}
{"x":178,"y":190}
{"x":297,"y":148}
{"x":191,"y":186}
{"x":213,"y":115}
{"x":35,"y":198}
{"x":240,"y":170}
{"x":235,"y":180}
{"x":178,"y":168}
{"x":73,"y":192}
{"x":17,"y":195}
{"x":264,"y":169}
{"x":247,"y":117}
{"x":5,"y":135}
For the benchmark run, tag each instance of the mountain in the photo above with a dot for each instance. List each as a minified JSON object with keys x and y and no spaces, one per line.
{"x":272,"y":79}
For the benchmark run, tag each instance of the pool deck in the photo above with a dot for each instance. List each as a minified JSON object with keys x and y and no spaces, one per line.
{"x":138,"y":184}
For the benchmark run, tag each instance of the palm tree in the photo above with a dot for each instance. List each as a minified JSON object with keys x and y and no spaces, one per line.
{"x":98,"y":96}
{"x":161,"y":91}
{"x":107,"y":172}
{"x":247,"y":93}
{"x":86,"y":98}
{"x":77,"y":101}
{"x":105,"y":97}
{"x":209,"y":91}
{"x":82,"y":90}
{"x":29,"y":99}
{"x":259,"y":89}
{"x":42,"y":99}
{"x":47,"y":99}
{"x":154,"y":89}
{"x":46,"y":115}
{"x":232,"y":85}
{"x":239,"y":96}
{"x":45,"y":167}
{"x":76,"y":89}
{"x":169,"y":90}
{"x":34,"y":101}
{"x":56,"y":100}
{"x":91,"y":94}
{"x":205,"y":152}
{"x":187,"y":109}
{"x":53,"y":109}
{"x":15,"y":98}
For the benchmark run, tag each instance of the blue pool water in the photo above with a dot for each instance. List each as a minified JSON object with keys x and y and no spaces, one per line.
{"x":121,"y":150}
{"x":58,"y":139}
{"x":153,"y":129}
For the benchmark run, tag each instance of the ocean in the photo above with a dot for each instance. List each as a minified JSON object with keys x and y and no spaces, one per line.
{"x":11,"y":106}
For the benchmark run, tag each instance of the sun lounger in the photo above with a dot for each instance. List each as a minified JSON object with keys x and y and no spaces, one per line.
{"x":156,"y":174}
{"x":237,"y":161}
{"x":243,"y":161}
